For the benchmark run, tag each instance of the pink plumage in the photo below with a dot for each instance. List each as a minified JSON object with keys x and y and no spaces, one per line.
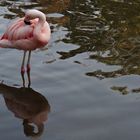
{"x":27,"y":37}
{"x":27,"y":33}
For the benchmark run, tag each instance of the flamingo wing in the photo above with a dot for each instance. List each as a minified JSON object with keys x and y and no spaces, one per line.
{"x":18,"y":30}
{"x":19,"y":35}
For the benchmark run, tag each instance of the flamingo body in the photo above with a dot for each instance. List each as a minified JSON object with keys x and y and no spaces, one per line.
{"x":27,"y":37}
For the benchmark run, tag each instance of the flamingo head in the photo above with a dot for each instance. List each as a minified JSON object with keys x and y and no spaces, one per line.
{"x":33,"y":14}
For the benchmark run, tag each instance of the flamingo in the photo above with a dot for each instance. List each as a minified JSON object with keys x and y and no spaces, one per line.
{"x":27,"y":34}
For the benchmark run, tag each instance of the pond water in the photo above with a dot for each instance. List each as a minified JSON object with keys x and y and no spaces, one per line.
{"x":85,"y":83}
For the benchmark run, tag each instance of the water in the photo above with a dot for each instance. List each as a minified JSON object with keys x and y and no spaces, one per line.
{"x":88,"y":75}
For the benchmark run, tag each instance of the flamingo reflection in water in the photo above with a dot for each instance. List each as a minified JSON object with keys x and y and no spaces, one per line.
{"x":28,"y":105}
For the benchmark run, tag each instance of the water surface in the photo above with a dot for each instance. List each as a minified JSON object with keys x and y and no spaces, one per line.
{"x":88,"y":75}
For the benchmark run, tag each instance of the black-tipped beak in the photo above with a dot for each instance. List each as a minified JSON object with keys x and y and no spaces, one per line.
{"x":27,"y":22}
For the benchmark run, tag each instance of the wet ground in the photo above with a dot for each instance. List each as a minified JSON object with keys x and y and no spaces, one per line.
{"x":85,"y":84}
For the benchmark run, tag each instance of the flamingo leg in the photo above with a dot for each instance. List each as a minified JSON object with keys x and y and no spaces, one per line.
{"x":23,"y":61}
{"x":23,"y":69}
{"x":28,"y":61}
{"x":28,"y":68}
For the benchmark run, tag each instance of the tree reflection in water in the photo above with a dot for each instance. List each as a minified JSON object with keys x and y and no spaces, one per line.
{"x":28,"y":105}
{"x":109,"y":31}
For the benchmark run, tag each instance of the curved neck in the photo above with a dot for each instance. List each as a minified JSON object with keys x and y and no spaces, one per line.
{"x":34,"y":14}
{"x":42,"y":17}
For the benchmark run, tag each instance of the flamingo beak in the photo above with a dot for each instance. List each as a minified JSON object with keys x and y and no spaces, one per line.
{"x":27,"y":22}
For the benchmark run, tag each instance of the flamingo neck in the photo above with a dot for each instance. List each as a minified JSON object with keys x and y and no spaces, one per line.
{"x":41,"y":30}
{"x":33,"y":14}
{"x":40,"y":33}
{"x":42,"y":18}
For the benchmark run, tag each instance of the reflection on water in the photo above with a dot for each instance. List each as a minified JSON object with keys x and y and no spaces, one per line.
{"x":124,"y":90}
{"x":109,"y":31}
{"x":28,"y":105}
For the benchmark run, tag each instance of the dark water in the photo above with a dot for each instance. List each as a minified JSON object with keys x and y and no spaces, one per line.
{"x":88,"y":75}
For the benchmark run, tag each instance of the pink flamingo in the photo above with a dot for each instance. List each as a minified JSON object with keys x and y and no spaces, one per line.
{"x":27,"y":33}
